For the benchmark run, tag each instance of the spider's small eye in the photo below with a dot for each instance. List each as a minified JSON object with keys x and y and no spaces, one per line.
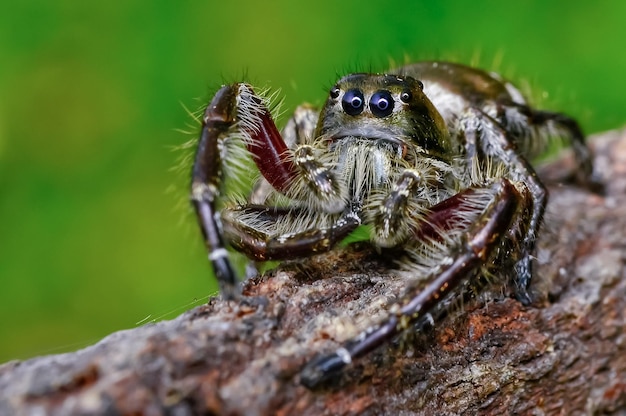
{"x":381,"y":103}
{"x":334,"y":93}
{"x":353,"y":102}
{"x":421,"y":84}
{"x":406,"y":96}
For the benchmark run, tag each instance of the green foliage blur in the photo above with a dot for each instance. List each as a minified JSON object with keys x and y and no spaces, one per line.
{"x":95,"y":231}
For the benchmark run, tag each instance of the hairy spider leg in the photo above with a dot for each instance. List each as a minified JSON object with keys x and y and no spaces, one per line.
{"x":478,"y":245}
{"x":234,"y":111}
{"x":492,"y":140}
{"x":298,"y":130}
{"x":526,"y":123}
{"x":263,"y":246}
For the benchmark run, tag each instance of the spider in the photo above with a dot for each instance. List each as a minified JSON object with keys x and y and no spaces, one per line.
{"x":432,"y":157}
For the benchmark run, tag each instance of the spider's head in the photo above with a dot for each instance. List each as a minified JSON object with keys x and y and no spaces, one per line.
{"x":384,"y":107}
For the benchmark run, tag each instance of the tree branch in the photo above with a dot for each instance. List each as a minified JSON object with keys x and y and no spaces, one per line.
{"x":566,"y":354}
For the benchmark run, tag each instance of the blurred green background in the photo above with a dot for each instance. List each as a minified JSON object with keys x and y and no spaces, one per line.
{"x":95,"y":233}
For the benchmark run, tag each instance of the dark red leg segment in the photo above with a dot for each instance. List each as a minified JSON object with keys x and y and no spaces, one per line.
{"x":269,"y":151}
{"x":447,"y":215}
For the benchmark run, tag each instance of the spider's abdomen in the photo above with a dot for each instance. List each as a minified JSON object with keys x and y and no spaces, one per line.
{"x":473,"y":86}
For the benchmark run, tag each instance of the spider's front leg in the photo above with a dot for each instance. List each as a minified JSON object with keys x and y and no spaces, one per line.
{"x":238,"y":119}
{"x":249,"y":230}
{"x":235,"y":113}
{"x":478,"y":244}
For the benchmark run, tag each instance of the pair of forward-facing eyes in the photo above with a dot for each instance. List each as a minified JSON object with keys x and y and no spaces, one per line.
{"x":381,"y":103}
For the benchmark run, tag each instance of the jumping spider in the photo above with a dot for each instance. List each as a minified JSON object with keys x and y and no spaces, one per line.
{"x":433,"y":158}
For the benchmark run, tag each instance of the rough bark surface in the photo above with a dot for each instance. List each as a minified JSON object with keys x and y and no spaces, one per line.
{"x":563,"y":355}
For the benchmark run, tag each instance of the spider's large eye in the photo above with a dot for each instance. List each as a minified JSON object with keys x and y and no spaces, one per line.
{"x":381,"y":103}
{"x":353,"y":102}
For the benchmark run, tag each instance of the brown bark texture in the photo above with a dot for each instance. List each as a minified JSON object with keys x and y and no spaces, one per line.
{"x":563,"y":355}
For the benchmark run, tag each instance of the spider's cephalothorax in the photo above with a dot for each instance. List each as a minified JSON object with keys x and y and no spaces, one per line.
{"x":433,"y":159}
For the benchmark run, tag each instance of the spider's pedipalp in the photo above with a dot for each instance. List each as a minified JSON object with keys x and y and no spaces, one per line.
{"x":316,"y":183}
{"x":391,"y":215}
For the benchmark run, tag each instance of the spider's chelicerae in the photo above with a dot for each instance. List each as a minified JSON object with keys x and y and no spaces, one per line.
{"x":432,"y":157}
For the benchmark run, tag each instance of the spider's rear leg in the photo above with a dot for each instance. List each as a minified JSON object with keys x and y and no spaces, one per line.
{"x":479,"y":244}
{"x":533,"y":128}
{"x":491,"y":140}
